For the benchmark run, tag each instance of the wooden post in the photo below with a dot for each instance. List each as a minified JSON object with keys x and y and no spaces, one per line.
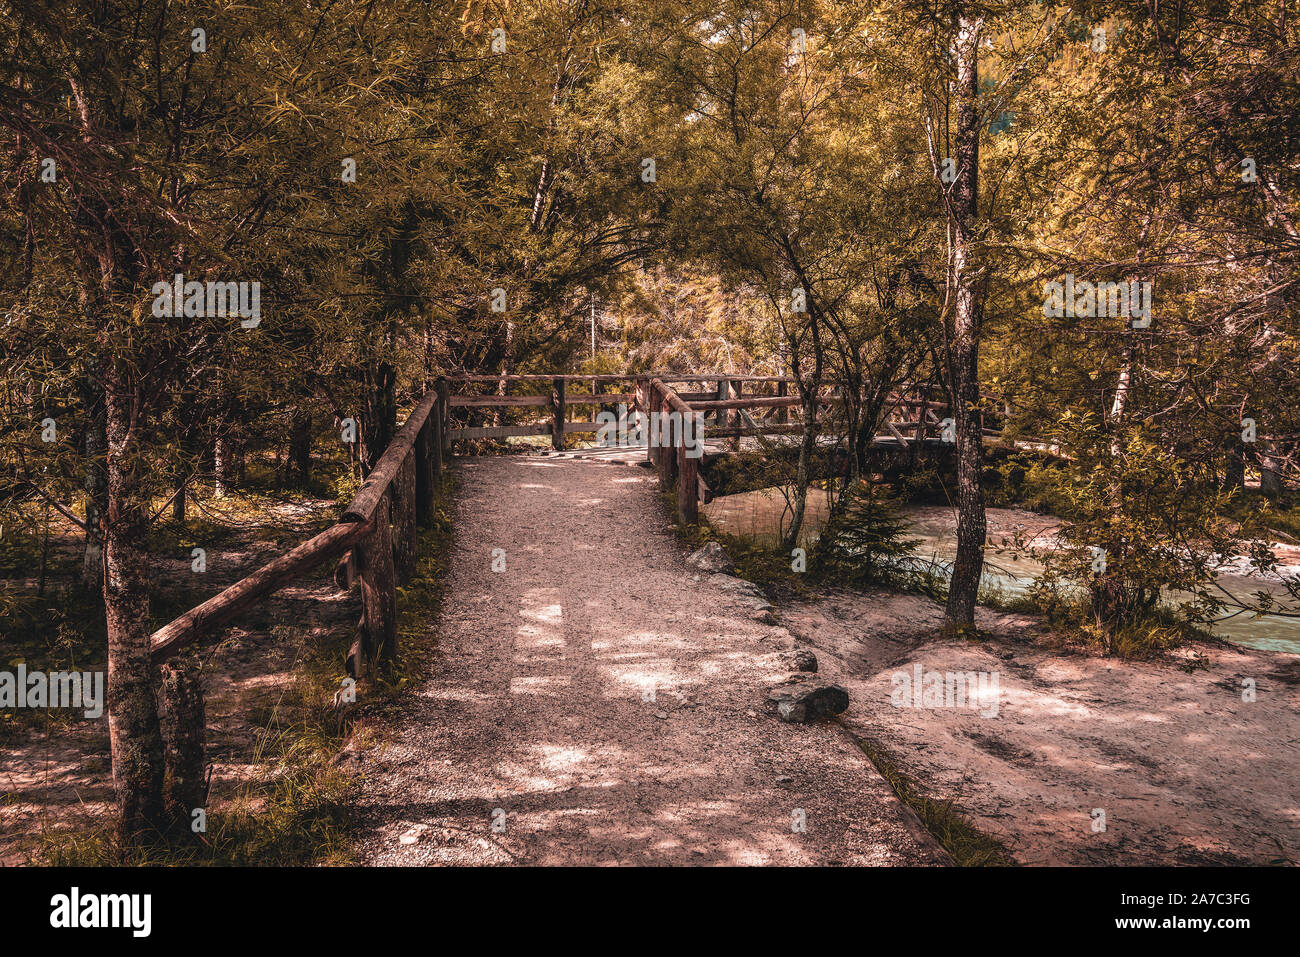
{"x":404,"y":518}
{"x":184,"y":731}
{"x":646,"y":406}
{"x":688,"y":489}
{"x":435,"y":445}
{"x":659,"y":433}
{"x":668,"y":453}
{"x":424,"y":471}
{"x":443,"y":411}
{"x":378,"y":591}
{"x":782,"y":413}
{"x":733,"y":417}
{"x":557,"y":421}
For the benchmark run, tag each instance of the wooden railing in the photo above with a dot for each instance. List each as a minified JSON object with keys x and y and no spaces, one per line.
{"x":376,"y":539}
{"x":720,"y":408}
{"x":375,"y":535}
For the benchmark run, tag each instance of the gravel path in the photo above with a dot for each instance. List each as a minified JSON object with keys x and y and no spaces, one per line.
{"x":598,"y":702}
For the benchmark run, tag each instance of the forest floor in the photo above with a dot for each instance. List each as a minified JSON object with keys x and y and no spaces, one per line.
{"x":595,"y":701}
{"x":55,"y":775}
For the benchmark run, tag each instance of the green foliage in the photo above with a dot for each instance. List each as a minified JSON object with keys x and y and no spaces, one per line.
{"x":864,"y":541}
{"x":1141,"y":525}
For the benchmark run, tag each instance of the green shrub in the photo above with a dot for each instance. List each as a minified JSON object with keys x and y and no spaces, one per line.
{"x":864,"y":540}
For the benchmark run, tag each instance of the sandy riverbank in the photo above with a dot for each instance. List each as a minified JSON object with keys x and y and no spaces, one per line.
{"x":1185,"y":770}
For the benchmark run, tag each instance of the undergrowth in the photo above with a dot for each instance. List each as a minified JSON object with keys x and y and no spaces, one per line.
{"x":296,"y":808}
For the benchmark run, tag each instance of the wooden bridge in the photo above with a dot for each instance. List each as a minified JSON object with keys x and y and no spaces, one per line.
{"x":718,"y":407}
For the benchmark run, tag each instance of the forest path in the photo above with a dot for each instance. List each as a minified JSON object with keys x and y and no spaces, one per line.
{"x":538,"y":702}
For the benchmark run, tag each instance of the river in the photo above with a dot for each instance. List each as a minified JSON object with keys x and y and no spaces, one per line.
{"x":758,"y":515}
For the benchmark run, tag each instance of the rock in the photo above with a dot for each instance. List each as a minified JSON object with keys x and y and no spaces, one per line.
{"x":350,"y":757}
{"x":741,"y":588}
{"x":805,"y":700}
{"x":712,"y":558}
{"x":783,"y":779}
{"x":414,"y":835}
{"x":661,"y":715}
{"x":799,"y":660}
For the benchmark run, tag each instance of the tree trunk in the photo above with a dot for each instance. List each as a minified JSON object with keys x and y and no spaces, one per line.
{"x":967,"y":319}
{"x":223,"y":471}
{"x":134,"y":735}
{"x":96,"y":486}
{"x":380,"y":413}
{"x":300,"y":449}
{"x":1234,"y":470}
{"x":183,"y":719}
{"x":807,"y":447}
{"x":178,"y":502}
{"x":1270,"y":481}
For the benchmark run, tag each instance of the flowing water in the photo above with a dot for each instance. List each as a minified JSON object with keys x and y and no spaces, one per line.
{"x":759,"y":515}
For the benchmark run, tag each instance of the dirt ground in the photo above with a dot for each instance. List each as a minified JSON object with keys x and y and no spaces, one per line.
{"x":598,"y":702}
{"x":1185,"y":771}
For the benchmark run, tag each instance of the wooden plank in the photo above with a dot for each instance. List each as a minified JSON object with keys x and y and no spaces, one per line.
{"x":500,"y":431}
{"x":489,"y":401}
{"x":540,"y":378}
{"x":760,"y":402}
{"x":601,"y":398}
{"x":723,"y":433}
{"x":582,"y":427}
{"x":714,"y":376}
{"x":672,"y":400}
{"x":897,"y":434}
{"x":221,"y":608}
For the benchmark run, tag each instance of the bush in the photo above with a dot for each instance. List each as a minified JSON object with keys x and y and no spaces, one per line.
{"x":864,"y":541}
